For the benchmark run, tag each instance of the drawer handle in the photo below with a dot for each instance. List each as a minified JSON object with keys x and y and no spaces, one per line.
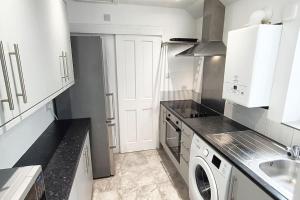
{"x":6,"y":79}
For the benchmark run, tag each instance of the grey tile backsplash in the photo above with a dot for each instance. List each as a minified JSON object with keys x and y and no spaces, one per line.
{"x":256,"y":119}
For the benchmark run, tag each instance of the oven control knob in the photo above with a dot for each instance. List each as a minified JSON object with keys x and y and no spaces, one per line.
{"x":205,"y":152}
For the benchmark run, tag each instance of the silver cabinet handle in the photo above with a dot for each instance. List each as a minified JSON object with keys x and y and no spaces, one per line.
{"x":86,"y":160}
{"x":114,"y":145}
{"x":66,"y":64}
{"x":233,"y":188}
{"x":16,"y":53}
{"x":63,"y":62}
{"x":113,"y":105}
{"x":6,"y":79}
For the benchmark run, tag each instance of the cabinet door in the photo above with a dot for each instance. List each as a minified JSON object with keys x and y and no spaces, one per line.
{"x":9,"y":109}
{"x":63,"y":46}
{"x":242,"y":188}
{"x":36,"y":73}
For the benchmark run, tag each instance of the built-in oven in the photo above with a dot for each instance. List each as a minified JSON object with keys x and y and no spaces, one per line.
{"x":173,"y":135}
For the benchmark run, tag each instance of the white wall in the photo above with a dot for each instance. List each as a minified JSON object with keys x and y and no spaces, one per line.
{"x":172,"y":23}
{"x":15,"y":142}
{"x":267,"y":121}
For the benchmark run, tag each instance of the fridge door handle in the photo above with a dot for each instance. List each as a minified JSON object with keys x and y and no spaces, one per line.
{"x":112,"y":116}
{"x":113,"y":137}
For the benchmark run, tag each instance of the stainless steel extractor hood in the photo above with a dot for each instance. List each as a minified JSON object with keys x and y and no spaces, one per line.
{"x":212,"y":48}
{"x":212,"y":31}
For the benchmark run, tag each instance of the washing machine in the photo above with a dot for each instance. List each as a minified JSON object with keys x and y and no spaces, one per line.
{"x":209,"y":172}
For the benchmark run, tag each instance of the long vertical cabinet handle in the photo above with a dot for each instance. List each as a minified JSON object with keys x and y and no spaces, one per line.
{"x":16,"y":53}
{"x":113,"y":106}
{"x":63,"y":62}
{"x":67,"y":65}
{"x":233,"y":188}
{"x":6,"y":79}
{"x":86,"y":160}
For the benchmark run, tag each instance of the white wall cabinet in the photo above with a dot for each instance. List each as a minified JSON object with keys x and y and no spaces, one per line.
{"x":31,"y":64}
{"x":83,"y":182}
{"x":241,"y":187}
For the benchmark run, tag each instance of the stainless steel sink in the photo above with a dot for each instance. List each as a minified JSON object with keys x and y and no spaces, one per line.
{"x":284,"y":172}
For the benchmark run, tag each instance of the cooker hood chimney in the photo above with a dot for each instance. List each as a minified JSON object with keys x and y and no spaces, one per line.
{"x":212,"y":32}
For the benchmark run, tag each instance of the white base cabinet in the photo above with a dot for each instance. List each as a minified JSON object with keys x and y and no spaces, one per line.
{"x":242,"y":188}
{"x":82,"y":187}
{"x":186,"y":141}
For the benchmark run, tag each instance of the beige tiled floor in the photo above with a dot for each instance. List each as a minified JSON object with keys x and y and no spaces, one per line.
{"x":142,"y":175}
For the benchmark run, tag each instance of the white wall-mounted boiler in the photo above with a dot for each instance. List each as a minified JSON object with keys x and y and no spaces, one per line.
{"x":250,"y":62}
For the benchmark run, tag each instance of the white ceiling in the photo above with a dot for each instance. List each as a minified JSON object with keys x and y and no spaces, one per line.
{"x":194,"y":7}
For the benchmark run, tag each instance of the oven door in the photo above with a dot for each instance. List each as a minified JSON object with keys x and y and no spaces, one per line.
{"x":173,"y":137}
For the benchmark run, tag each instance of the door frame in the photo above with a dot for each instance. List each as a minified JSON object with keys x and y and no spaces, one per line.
{"x":83,"y":29}
{"x":155,"y":102}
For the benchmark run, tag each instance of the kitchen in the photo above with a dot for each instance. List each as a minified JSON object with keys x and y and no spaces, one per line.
{"x":117,"y":99}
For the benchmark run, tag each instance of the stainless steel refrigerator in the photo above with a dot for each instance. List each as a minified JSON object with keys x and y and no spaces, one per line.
{"x":88,"y":98}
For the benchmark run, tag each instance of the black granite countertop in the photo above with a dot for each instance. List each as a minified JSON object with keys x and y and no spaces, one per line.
{"x":220,"y":124}
{"x":58,"y":150}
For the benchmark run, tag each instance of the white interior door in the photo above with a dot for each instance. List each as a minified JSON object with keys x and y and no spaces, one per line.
{"x":137,"y":66}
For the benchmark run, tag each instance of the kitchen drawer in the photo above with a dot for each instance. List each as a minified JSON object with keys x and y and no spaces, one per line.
{"x":184,"y":169}
{"x":186,"y":140}
{"x":187,"y":131}
{"x":185,"y":152}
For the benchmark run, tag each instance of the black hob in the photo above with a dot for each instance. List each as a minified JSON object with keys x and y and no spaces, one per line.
{"x":191,"y":110}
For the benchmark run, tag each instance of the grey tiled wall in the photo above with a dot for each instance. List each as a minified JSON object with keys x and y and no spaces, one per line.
{"x":256,"y":119}
{"x":176,"y":95}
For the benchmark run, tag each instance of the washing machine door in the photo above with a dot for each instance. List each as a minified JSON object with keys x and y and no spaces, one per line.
{"x":202,"y":185}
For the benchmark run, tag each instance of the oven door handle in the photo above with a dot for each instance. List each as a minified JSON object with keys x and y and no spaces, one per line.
{"x":172,"y":125}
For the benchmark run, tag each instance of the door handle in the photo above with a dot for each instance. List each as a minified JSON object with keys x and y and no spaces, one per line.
{"x":6,"y":79}
{"x":233,"y":188}
{"x":16,"y":53}
{"x":113,"y":106}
